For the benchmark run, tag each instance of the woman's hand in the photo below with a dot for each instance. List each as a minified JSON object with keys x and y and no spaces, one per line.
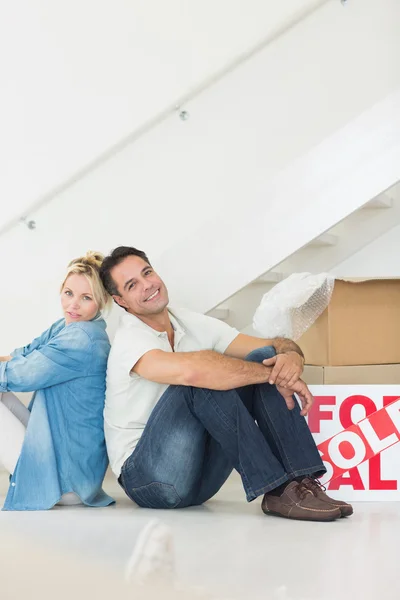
{"x":5,"y":358}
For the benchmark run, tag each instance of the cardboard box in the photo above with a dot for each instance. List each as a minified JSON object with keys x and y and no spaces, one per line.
{"x":313,"y":375}
{"x":361,"y":326}
{"x":355,"y":375}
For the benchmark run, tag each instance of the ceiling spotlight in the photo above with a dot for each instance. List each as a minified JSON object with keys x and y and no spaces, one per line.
{"x":31,"y":224}
{"x":183,"y":115}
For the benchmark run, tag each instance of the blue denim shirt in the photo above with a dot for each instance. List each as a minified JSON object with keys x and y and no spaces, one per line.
{"x":64,"y":448}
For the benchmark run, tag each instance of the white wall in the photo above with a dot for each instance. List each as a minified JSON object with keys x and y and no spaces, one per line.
{"x":272,"y":155}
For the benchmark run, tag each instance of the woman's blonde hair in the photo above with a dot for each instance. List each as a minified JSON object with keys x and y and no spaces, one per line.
{"x":89,"y":266}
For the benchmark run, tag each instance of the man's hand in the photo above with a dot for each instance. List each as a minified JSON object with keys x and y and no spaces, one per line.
{"x":302,"y":391}
{"x":5,"y":358}
{"x":286,"y":368}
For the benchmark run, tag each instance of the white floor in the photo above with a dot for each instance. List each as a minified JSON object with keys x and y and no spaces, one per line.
{"x":230,"y":548}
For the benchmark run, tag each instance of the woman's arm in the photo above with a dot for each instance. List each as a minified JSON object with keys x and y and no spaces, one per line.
{"x":37,"y":342}
{"x":66,"y":356}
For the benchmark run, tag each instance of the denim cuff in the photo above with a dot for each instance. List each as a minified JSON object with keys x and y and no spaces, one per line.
{"x":3,"y":377}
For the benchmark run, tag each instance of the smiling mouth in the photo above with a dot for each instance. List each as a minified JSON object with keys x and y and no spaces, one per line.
{"x":73,"y":315}
{"x":154,"y":295}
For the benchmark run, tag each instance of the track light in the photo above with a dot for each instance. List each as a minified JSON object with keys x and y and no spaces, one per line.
{"x":31,"y":224}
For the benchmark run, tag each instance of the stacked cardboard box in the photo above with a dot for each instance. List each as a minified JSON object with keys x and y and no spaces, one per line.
{"x":357,"y":338}
{"x":360,"y":374}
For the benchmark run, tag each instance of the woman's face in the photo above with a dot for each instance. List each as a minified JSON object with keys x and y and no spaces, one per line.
{"x":77,"y":299}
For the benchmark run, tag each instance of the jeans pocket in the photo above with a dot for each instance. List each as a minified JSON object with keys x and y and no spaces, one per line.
{"x":155,"y":495}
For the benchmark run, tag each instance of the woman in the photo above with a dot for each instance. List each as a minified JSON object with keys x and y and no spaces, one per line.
{"x":55,"y":450}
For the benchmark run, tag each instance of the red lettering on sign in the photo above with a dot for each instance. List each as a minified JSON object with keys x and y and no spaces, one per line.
{"x":361,"y":442}
{"x":375,"y":480}
{"x":347,"y":405}
{"x":352,"y":478}
{"x":388,"y":400}
{"x":316,"y":415}
{"x":374,"y":466}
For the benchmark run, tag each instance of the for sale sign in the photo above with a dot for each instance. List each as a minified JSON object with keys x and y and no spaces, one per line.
{"x":357,"y":430}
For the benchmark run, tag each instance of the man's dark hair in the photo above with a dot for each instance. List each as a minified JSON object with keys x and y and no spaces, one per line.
{"x":111,"y":261}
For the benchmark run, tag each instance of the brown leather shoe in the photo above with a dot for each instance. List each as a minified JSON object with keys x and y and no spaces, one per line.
{"x":298,"y":502}
{"x":319,"y":492}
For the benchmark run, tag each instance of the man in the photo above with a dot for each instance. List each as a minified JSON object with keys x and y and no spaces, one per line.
{"x":189,"y":398}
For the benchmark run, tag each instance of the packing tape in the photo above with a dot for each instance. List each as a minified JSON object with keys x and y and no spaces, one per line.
{"x":361,"y":441}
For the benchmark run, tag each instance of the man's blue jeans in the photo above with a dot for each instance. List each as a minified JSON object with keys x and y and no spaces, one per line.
{"x":195,"y":437}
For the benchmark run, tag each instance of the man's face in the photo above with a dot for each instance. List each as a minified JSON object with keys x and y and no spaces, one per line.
{"x":142,"y":292}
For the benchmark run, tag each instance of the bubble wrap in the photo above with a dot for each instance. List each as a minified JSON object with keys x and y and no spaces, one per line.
{"x":293,"y":305}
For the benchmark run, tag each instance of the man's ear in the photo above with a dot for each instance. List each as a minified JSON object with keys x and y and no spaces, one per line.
{"x":120,"y":301}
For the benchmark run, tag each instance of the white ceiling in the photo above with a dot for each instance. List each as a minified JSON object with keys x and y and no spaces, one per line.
{"x":78,"y":76}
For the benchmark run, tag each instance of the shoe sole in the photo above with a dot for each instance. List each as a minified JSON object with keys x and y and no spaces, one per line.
{"x":326,"y":519}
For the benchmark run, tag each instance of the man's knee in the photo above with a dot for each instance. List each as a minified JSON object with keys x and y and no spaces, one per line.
{"x":155,"y":495}
{"x":261,"y":354}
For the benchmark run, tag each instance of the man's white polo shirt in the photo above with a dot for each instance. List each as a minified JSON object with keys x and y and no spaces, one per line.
{"x":130,"y":398}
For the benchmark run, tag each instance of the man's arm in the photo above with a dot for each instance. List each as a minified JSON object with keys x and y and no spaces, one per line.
{"x":287,"y":366}
{"x":203,"y":369}
{"x":212,"y":370}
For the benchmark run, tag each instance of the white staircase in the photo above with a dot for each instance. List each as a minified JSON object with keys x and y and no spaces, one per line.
{"x":324,"y":254}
